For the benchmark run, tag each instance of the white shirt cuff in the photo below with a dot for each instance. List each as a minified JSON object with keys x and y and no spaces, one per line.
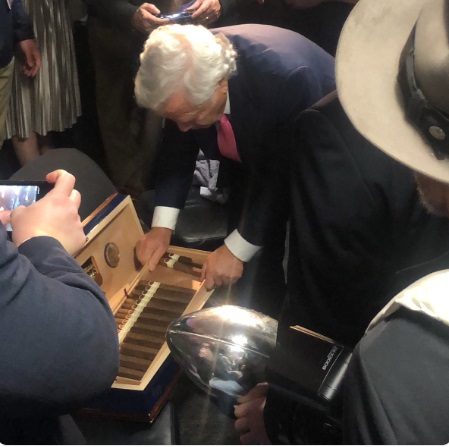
{"x":240,"y":247}
{"x":165,"y":216}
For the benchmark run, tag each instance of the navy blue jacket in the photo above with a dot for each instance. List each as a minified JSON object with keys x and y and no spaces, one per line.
{"x":14,"y":27}
{"x":59,"y":344}
{"x":279,"y":74}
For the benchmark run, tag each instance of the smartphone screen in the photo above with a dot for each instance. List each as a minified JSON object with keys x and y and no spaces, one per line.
{"x":15,"y":194}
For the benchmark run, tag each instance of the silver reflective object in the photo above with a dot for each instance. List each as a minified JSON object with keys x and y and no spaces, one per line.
{"x":223,"y":349}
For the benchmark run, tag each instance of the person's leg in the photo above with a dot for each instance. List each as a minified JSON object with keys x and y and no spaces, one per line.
{"x":6,"y":74}
{"x":45,"y":143}
{"x":113,"y":55}
{"x":396,"y":385}
{"x":26,"y":149}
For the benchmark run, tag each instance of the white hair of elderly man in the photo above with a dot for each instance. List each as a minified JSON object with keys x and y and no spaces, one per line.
{"x":187,"y":58}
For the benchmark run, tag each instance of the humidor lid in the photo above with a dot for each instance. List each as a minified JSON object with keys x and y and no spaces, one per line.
{"x":108,"y":255}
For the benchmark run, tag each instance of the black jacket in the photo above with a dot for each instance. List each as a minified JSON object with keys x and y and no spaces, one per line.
{"x":14,"y":27}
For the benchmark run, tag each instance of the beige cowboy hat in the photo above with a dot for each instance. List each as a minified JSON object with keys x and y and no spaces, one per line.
{"x":367,"y":66}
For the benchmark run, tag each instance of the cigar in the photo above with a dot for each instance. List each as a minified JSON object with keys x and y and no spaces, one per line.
{"x":179,"y":266}
{"x":138,"y":350}
{"x":163,"y":314}
{"x":143,"y":340}
{"x":130,"y":373}
{"x":135,"y":363}
{"x":166,"y":305}
{"x":123,"y":313}
{"x":183,"y":260}
{"x":150,"y":316}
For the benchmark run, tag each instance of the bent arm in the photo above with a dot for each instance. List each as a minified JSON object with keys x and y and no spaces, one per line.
{"x":59,"y":338}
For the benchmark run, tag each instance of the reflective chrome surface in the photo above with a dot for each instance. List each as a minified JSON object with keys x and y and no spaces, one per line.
{"x":223,"y":349}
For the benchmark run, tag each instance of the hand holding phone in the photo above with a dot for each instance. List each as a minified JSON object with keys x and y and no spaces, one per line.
{"x":5,"y":218}
{"x":145,"y":18}
{"x":55,"y":215}
{"x":182,"y":16}
{"x":204,"y":12}
{"x":20,"y":192}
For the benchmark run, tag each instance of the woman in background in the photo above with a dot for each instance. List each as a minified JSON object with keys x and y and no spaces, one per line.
{"x":50,"y":101}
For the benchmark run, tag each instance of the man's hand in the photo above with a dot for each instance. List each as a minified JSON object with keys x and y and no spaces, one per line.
{"x":221,"y":268}
{"x":152,"y":246}
{"x":32,"y":57}
{"x":145,"y":20}
{"x":54,"y":215}
{"x":249,"y":416}
{"x":205,"y":12}
{"x":5,"y":217}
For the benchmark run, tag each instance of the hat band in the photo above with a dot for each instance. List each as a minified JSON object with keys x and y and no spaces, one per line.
{"x":431,"y":122}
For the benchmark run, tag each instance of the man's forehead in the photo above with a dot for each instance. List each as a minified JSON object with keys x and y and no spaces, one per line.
{"x":176,"y":104}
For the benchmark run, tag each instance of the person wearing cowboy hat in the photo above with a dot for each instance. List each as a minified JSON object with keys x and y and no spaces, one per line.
{"x":393,"y":81}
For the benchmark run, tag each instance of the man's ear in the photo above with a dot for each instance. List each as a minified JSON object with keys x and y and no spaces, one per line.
{"x":223,"y":86}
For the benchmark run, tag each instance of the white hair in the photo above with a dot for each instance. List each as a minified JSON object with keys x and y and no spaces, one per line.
{"x":187,"y":58}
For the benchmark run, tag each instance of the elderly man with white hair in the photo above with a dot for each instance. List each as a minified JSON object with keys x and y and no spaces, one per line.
{"x":232,"y":92}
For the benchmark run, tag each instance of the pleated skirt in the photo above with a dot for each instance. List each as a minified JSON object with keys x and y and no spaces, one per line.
{"x":50,"y":101}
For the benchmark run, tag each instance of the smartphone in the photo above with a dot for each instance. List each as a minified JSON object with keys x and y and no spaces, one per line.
{"x":21,"y":192}
{"x":182,"y":17}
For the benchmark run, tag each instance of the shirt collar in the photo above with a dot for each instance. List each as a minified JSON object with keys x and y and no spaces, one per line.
{"x":227,"y":109}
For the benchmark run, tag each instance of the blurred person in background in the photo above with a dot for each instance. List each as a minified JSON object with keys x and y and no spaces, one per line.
{"x":15,"y":29}
{"x":50,"y":101}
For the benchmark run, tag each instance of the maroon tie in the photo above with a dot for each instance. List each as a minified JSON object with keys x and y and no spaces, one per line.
{"x":226,"y":139}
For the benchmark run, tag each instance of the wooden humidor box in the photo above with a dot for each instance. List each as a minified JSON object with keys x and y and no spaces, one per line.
{"x":143,"y":303}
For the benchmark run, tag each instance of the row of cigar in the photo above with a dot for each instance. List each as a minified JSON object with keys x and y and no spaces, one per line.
{"x":145,"y":336}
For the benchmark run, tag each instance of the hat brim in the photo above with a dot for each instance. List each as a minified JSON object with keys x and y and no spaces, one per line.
{"x":367,"y":64}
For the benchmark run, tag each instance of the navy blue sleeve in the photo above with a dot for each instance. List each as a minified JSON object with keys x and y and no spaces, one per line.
{"x":59,"y":339}
{"x":175,"y":165}
{"x":23,"y":29}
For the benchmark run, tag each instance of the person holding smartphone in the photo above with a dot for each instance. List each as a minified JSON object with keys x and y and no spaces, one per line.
{"x":117,"y":31}
{"x":59,"y":339}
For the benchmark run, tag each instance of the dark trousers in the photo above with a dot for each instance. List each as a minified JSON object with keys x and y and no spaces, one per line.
{"x":129,"y":133}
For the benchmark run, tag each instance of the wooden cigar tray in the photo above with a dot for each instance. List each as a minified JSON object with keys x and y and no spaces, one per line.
{"x":143,"y":303}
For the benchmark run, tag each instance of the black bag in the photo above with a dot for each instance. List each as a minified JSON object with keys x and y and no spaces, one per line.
{"x":305,"y":374}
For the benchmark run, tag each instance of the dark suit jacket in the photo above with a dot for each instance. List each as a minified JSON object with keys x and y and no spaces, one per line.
{"x":59,"y":341}
{"x":279,"y":74}
{"x":358,"y":234}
